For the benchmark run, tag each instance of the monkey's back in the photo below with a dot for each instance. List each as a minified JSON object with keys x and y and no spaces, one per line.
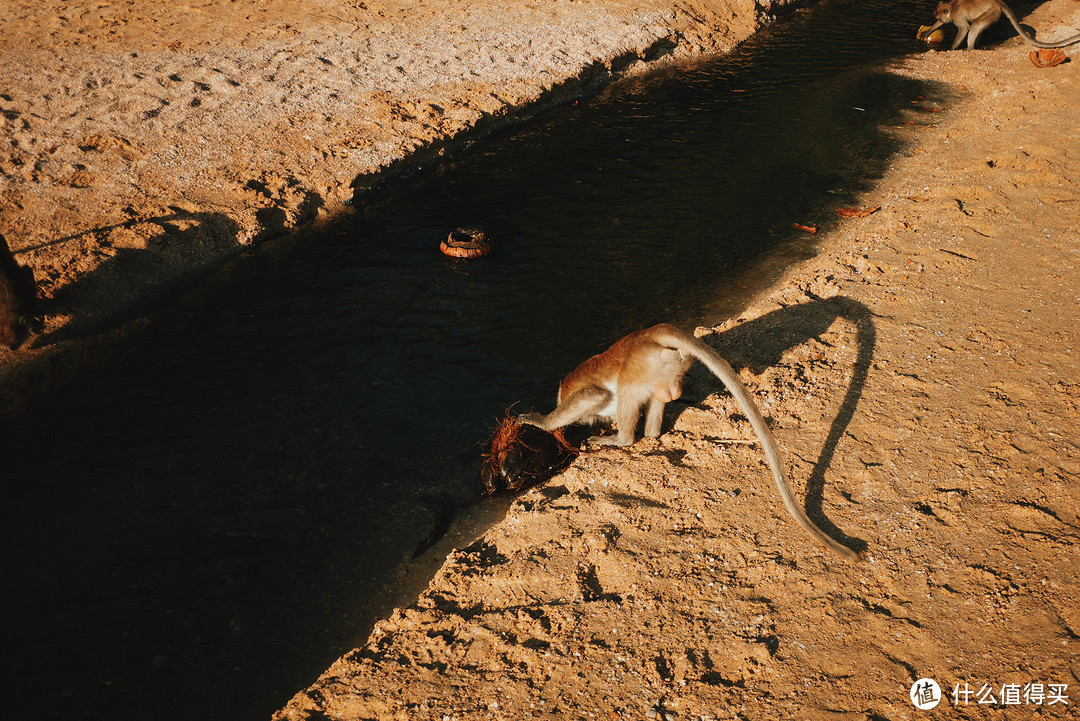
{"x":604,"y":369}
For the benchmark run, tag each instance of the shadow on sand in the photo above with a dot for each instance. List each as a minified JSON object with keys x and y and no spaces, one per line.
{"x":761,"y":342}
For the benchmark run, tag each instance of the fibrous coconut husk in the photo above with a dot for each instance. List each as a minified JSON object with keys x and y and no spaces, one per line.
{"x":520,"y":455}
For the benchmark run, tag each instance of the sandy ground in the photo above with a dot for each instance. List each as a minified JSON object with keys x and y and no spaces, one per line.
{"x":148,"y":141}
{"x":920,"y":372}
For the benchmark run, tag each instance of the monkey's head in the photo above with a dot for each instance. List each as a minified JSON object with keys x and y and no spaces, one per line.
{"x":18,"y":300}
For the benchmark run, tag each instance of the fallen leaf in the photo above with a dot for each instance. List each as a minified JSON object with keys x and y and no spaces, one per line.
{"x":856,"y":212}
{"x":808,"y":228}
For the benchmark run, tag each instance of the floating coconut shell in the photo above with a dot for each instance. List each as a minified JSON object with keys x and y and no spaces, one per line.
{"x":466,"y":243}
{"x":522,"y":455}
{"x":938,"y":36}
{"x":1047,"y":57}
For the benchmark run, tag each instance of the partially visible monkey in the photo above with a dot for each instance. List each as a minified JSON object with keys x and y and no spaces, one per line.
{"x":971,"y":17}
{"x":646,"y":368}
{"x":18,"y":299}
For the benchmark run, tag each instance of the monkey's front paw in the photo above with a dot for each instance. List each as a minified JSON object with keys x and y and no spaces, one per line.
{"x":605,"y":441}
{"x":532,"y":419}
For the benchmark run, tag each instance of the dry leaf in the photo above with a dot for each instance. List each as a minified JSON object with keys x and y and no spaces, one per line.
{"x":856,"y":212}
{"x":808,"y":228}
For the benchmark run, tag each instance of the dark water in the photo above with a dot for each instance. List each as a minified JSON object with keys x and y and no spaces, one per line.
{"x":234,"y":494}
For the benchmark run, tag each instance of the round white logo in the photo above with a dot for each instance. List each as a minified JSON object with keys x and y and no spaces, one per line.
{"x":925,"y":694}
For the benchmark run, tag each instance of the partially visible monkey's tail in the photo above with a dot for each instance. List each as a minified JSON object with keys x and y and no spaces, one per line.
{"x":1032,"y":41}
{"x":687,"y":343}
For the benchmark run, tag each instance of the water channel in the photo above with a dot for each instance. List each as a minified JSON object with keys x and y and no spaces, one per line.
{"x":202,"y":524}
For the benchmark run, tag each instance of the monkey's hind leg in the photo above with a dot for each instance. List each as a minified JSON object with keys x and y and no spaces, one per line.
{"x":978,"y":25}
{"x":626,"y":419}
{"x":961,"y":31}
{"x":654,"y":417}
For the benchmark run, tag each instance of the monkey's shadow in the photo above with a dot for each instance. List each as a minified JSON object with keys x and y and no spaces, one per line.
{"x":760,"y":343}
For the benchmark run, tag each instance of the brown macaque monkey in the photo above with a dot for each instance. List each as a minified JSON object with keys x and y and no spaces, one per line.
{"x":646,"y":368}
{"x":971,"y":17}
{"x":18,"y":299}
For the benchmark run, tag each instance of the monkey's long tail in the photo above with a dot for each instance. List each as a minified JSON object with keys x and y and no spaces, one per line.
{"x":723,"y":370}
{"x":1032,"y":41}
